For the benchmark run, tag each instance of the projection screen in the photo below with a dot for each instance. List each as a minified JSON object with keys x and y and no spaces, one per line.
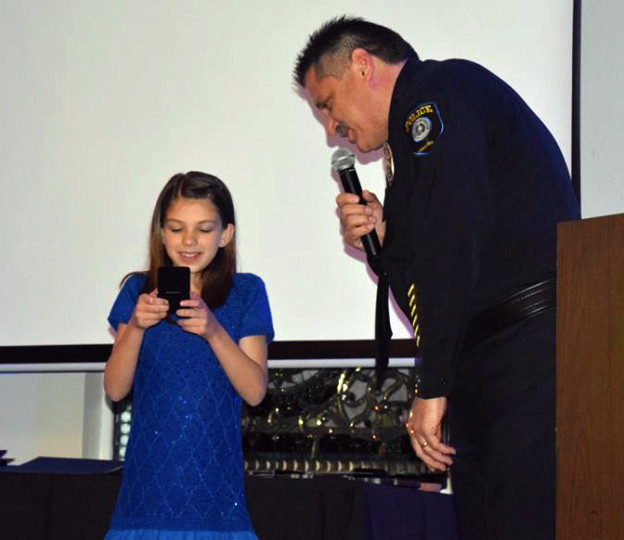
{"x":103,"y":101}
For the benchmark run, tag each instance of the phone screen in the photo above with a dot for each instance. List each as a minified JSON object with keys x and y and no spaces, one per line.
{"x":174,"y":284}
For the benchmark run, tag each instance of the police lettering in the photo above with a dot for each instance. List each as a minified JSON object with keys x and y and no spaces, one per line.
{"x":424,"y":109}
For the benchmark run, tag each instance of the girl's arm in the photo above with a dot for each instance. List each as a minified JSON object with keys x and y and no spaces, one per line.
{"x":245,"y":364}
{"x":121,"y":365}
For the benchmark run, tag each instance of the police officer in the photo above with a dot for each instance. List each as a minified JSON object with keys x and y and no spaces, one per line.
{"x":476,"y":186}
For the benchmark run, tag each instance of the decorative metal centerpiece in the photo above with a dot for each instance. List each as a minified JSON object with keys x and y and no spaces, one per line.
{"x":332,"y":421}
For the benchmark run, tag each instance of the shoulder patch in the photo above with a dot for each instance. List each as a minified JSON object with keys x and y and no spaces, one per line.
{"x":423,"y":125}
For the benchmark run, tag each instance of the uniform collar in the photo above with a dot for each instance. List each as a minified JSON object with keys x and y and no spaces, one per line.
{"x":403,"y":89}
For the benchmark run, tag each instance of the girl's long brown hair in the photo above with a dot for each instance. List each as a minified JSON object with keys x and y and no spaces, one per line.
{"x":216,"y":278}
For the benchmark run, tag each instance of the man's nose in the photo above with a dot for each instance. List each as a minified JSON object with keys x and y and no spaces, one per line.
{"x":331,"y":125}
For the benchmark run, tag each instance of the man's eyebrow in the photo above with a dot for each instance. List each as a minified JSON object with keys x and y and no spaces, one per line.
{"x":322,"y":104}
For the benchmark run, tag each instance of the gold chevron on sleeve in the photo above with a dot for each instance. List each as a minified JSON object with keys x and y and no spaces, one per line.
{"x":411,"y":296}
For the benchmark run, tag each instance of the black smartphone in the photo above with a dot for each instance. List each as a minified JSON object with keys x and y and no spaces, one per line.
{"x":174,"y":284}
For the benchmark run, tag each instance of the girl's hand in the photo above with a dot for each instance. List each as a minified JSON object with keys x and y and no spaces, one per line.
{"x":149,"y":311}
{"x":196,"y":318}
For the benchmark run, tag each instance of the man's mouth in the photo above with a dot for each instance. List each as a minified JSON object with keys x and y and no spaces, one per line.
{"x":342,"y":130}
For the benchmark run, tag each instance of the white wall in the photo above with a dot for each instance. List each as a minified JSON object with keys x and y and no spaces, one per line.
{"x":54,"y":415}
{"x":602,"y":108}
{"x":41,"y":414}
{"x":102,"y":101}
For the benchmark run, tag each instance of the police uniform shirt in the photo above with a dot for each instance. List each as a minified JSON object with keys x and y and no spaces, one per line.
{"x":471,"y":208}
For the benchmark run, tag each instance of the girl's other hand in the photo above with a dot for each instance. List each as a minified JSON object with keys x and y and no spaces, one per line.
{"x":149,"y":311}
{"x":196,"y":318}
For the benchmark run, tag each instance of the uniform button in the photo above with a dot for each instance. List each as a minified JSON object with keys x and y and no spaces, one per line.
{"x":443,"y":380}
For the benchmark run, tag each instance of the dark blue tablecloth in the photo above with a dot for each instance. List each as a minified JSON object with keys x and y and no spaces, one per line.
{"x":58,"y":499}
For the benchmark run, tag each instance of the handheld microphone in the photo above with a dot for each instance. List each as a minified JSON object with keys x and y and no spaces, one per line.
{"x":343,"y":161}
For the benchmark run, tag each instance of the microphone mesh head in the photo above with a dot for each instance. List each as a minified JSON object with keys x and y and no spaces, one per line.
{"x":342,"y":159}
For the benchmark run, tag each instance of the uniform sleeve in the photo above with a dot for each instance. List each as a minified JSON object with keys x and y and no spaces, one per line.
{"x":124,"y":305}
{"x":256,"y":319}
{"x":453,"y":234}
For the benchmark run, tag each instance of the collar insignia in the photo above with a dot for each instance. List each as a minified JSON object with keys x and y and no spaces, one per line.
{"x":388,"y":164}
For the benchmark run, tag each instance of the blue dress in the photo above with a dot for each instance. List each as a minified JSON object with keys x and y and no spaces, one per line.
{"x":183,"y":477}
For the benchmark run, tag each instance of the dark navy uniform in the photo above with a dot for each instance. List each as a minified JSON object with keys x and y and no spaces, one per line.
{"x":478,"y":187}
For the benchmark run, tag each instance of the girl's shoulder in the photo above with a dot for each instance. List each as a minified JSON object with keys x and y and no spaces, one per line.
{"x":131,"y":288}
{"x":242,"y":279}
{"x":248,"y":298}
{"x":133,"y":283}
{"x":247,"y":285}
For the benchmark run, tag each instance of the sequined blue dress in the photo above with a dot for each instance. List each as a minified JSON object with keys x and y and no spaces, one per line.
{"x":183,"y":476}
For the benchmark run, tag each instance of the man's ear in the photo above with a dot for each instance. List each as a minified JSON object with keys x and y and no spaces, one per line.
{"x":362,"y":63}
{"x":227,"y":235}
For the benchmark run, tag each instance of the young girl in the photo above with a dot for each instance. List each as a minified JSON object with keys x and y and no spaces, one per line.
{"x":183,"y":477}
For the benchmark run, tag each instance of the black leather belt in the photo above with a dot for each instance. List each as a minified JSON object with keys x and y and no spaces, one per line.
{"x":529,"y":302}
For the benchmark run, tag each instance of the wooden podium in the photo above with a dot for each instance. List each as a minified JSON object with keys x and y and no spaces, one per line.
{"x":590,"y":379}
